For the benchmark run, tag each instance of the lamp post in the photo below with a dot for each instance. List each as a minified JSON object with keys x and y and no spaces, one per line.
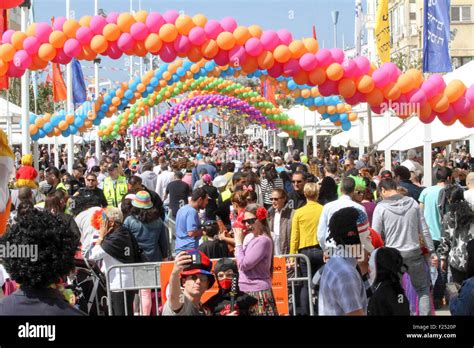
{"x":335,"y":16}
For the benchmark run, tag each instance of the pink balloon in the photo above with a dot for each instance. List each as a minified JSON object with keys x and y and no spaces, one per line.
{"x":72,"y":48}
{"x":31,"y":45}
{"x":59,"y":22}
{"x":462,"y":106}
{"x":22,"y":60}
{"x":222,"y":58}
{"x":228,"y":24}
{"x":154,"y":22}
{"x":61,"y":57}
{"x":182,"y":44}
{"x":170,"y":16}
{"x":112,"y":17}
{"x":7,"y":36}
{"x":337,"y":55}
{"x":285,"y":36}
{"x":448,"y":116}
{"x":429,"y":119}
{"x":308,"y":62}
{"x":270,"y":40}
{"x":84,"y":35}
{"x":253,"y":47}
{"x":438,"y":81}
{"x":429,"y":88}
{"x":139,"y":31}
{"x":328,"y":88}
{"x":291,"y":67}
{"x":391,"y":70}
{"x":276,"y":70}
{"x":470,"y":95}
{"x":97,"y":24}
{"x":350,"y":68}
{"x":167,"y":52}
{"x":213,"y":28}
{"x":380,"y":78}
{"x":363,"y":64}
{"x":197,"y":36}
{"x":324,"y":57}
{"x":237,"y":56}
{"x":42,"y":31}
{"x":13,"y":71}
{"x":125,"y":42}
{"x":419,"y":97}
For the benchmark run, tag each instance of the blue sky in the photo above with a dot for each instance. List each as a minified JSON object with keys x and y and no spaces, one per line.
{"x":298,"y":16}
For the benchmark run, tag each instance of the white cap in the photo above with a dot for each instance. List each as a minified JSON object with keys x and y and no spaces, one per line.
{"x":219,"y":181}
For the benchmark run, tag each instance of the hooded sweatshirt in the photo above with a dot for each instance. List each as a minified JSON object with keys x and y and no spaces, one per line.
{"x":400,"y":221}
{"x":149,"y":179}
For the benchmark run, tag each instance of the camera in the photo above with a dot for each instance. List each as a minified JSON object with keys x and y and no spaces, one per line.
{"x":196,"y":259}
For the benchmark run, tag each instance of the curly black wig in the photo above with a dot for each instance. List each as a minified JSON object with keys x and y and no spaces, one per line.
{"x":56,"y":245}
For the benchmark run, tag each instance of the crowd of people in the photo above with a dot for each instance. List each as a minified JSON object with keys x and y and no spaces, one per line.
{"x":369,"y":236}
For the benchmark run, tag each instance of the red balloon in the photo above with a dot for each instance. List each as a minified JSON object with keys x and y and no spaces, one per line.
{"x":222,"y":58}
{"x":167,"y":52}
{"x":10,"y":3}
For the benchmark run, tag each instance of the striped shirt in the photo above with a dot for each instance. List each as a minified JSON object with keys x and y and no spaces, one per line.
{"x":267,"y":188}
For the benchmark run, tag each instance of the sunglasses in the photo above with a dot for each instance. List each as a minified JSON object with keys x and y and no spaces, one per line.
{"x":275,"y":198}
{"x":297,"y":181}
{"x":249,"y":221}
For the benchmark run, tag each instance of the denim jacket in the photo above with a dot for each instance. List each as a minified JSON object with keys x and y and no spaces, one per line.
{"x":464,"y":303}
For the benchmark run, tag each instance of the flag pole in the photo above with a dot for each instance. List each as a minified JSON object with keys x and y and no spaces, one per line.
{"x":96,"y":74}
{"x":25,"y":97}
{"x":69,"y":102}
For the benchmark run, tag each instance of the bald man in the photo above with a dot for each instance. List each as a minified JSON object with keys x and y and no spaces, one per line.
{"x":469,"y":194}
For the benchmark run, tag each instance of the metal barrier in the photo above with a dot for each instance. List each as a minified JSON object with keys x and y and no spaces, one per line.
{"x":147,"y":276}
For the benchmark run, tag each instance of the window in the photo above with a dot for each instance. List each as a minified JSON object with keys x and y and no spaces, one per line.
{"x":460,"y":13}
{"x":413,"y":16}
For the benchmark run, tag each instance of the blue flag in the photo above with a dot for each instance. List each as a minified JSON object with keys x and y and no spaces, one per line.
{"x":79,"y":91}
{"x":436,"y":36}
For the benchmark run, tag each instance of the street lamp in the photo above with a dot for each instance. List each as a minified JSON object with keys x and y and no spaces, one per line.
{"x":335,"y":16}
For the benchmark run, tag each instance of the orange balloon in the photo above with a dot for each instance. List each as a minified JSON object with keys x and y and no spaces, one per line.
{"x":417,"y":76}
{"x":352,"y":117}
{"x":33,"y":129}
{"x":7,"y":52}
{"x":311,"y":45}
{"x":255,"y":31}
{"x":425,"y":111}
{"x":38,"y":63}
{"x":31,"y":31}
{"x":47,"y":52}
{"x":375,"y":97}
{"x":335,"y":72}
{"x":282,"y":54}
{"x":57,"y":39}
{"x":439,"y":103}
{"x":111,"y":32}
{"x":305,"y":93}
{"x":153,"y":43}
{"x":315,"y":92}
{"x":88,"y":53}
{"x":17,"y":40}
{"x":56,"y":132}
{"x":184,"y":24}
{"x":242,"y":34}
{"x":297,"y":49}
{"x":168,"y":32}
{"x":317,"y":76}
{"x":99,"y":44}
{"x":209,"y":49}
{"x":116,"y":101}
{"x":225,"y":41}
{"x":200,"y":20}
{"x":365,"y":84}
{"x":125,"y":22}
{"x":392,"y":91}
{"x":301,"y":77}
{"x":70,"y":118}
{"x":265,"y":60}
{"x":468,"y":120}
{"x":63,"y":125}
{"x":39,"y":122}
{"x":112,"y":110}
{"x":85,"y":21}
{"x":406,"y":83}
{"x":141,"y":16}
{"x":347,"y":88}
{"x":331,"y":109}
{"x":70,"y":28}
{"x":195,"y":55}
{"x":250,"y":64}
{"x":340,"y":108}
{"x":139,"y":49}
{"x":454,"y":90}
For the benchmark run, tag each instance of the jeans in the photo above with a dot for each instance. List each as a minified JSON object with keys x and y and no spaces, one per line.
{"x":315,"y":255}
{"x":458,"y":276}
{"x":118,"y":304}
{"x":419,"y":279}
{"x":439,"y":287}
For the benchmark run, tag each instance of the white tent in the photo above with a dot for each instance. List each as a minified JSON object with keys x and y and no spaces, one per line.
{"x":16,"y":140}
{"x":14,"y":110}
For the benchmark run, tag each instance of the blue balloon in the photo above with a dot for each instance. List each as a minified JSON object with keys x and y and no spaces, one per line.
{"x":150,"y":89}
{"x":78,"y":122}
{"x":35,"y":137}
{"x":104,"y":108}
{"x":344,"y":117}
{"x":325,"y":116}
{"x":292,"y":85}
{"x":307,"y":102}
{"x":48,"y":127}
{"x":54,"y":121}
{"x":209,"y":65}
{"x":41,"y":133}
{"x":346,"y":126}
{"x":62,"y":113}
{"x":187,"y":64}
{"x":318,"y":101}
{"x":180,"y":71}
{"x":335,"y":100}
{"x":128,"y":94}
{"x":196,"y":76}
{"x":108,"y":100}
{"x":299,"y":100}
{"x":154,"y":82}
{"x":32,"y":118}
{"x":112,"y":93}
{"x":66,"y":133}
{"x":145,"y":94}
{"x":333,"y":118}
{"x":72,"y":129}
{"x":96,"y":122}
{"x":138,"y":79}
{"x":101,"y":114}
{"x":327,"y":101}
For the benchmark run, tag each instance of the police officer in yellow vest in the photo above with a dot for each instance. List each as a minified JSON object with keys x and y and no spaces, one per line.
{"x":115,"y":186}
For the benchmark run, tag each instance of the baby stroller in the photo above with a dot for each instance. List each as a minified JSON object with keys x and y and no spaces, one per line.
{"x":89,"y":285}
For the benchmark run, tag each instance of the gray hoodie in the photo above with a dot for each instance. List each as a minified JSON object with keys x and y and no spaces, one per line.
{"x":400,"y":222}
{"x":149,"y":180}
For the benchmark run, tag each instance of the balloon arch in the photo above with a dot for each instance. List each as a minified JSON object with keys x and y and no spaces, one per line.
{"x":171,"y":35}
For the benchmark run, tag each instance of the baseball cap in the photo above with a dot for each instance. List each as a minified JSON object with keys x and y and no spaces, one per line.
{"x":220,"y":181}
{"x":112,"y":166}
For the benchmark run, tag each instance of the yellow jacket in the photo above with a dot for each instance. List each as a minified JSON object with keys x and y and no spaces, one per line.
{"x":114,"y":195}
{"x":304,"y":226}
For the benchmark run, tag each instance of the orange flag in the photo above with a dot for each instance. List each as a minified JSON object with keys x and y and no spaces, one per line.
{"x":59,"y":87}
{"x":268,"y":91}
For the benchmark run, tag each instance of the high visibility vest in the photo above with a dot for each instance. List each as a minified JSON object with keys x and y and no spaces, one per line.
{"x":114,"y":193}
{"x":226,"y":195}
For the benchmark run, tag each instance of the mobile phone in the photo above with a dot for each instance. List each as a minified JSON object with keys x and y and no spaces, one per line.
{"x":104,"y":216}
